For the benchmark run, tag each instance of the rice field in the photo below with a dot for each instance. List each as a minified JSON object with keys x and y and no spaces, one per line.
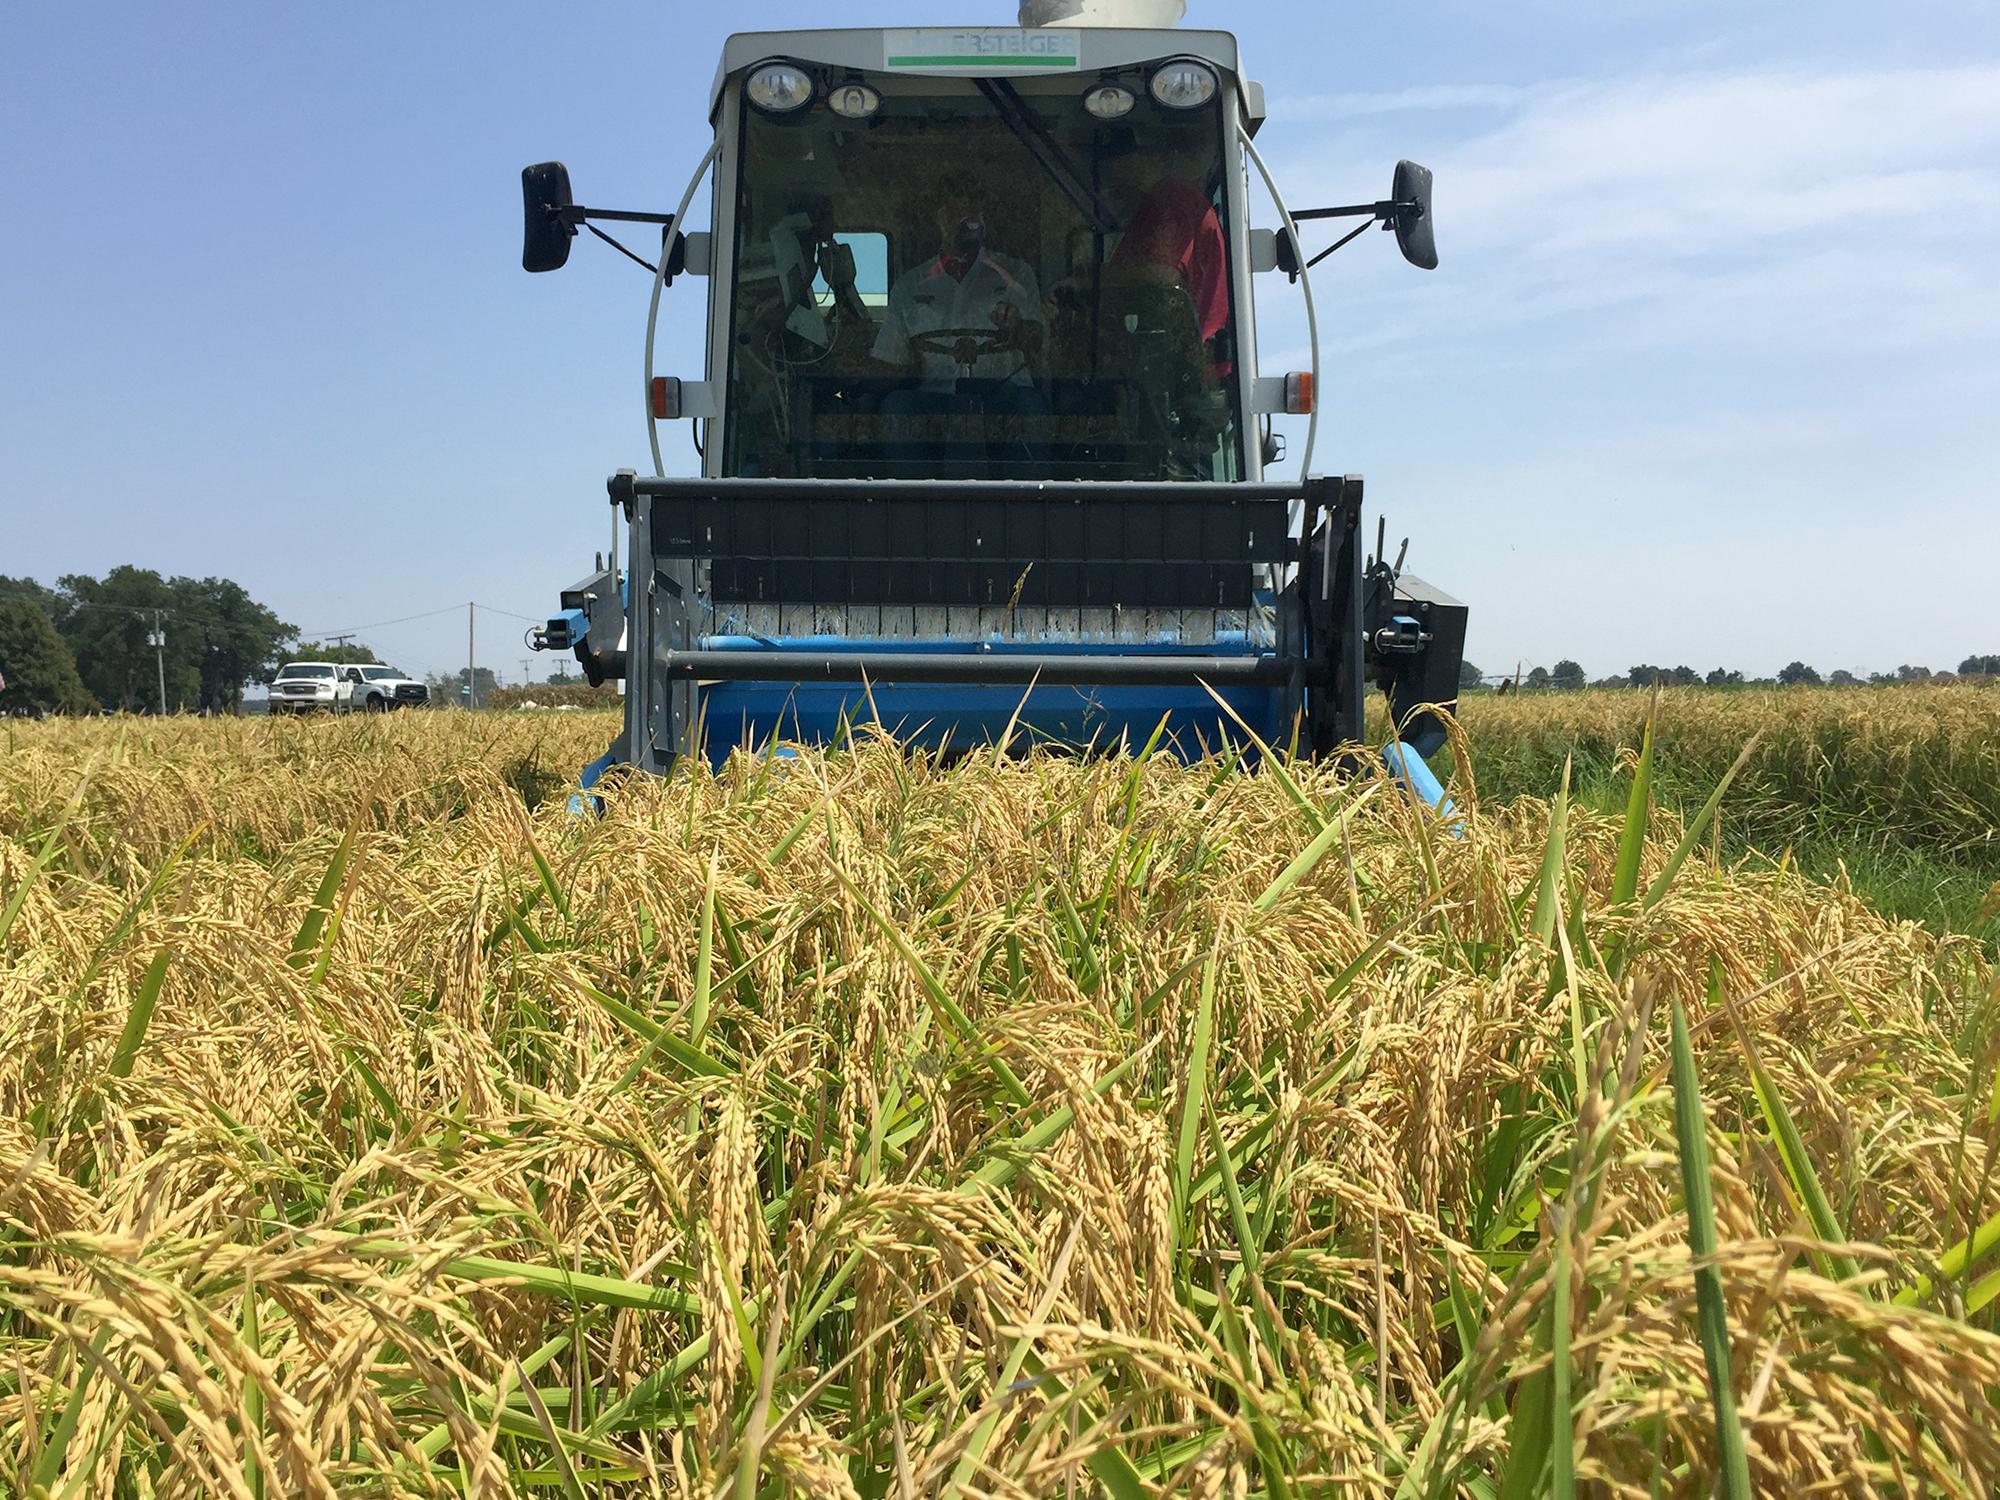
{"x":851,"y":1125}
{"x":1904,"y":766}
{"x":1894,"y":790}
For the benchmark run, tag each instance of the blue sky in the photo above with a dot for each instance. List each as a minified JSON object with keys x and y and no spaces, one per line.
{"x":1708,"y":373}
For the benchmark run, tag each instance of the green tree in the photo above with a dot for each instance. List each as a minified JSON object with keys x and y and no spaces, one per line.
{"x":1567,"y":675}
{"x":108,"y":623}
{"x":217,"y":638}
{"x":1798,"y":674}
{"x":1980,"y":666}
{"x":341,"y":655}
{"x":450,"y":690}
{"x":35,"y":662}
{"x":1721,"y":677}
{"x":1644,"y":675}
{"x":1468,"y":675}
{"x":240,"y":640}
{"x":1841,"y":677}
{"x":33,"y":592}
{"x":1537,"y":679}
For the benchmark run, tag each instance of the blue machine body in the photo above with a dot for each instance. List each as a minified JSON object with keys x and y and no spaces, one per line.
{"x":963,"y":716}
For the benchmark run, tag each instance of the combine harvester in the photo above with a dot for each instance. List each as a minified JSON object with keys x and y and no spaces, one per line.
{"x":983,"y":438}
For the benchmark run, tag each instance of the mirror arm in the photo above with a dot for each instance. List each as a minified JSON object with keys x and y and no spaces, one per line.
{"x":576,"y":213}
{"x":1355,"y":233}
{"x":1384,"y":210}
{"x":1381,"y":210}
{"x":628,"y":254}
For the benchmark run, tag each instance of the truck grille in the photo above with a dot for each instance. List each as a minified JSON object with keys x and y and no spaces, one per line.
{"x":411,"y":692}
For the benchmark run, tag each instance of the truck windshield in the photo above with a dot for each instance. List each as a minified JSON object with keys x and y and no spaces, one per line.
{"x":982,"y":280}
{"x":292,"y":674}
{"x":379,"y":674}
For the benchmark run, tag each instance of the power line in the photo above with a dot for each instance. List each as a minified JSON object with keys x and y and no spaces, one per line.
{"x":379,"y":624}
{"x":430,"y":614}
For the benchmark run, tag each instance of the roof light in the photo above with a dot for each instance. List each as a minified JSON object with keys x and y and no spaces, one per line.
{"x":779,"y":88}
{"x":1184,"y":83}
{"x":1299,"y":393}
{"x":1110,"y":101}
{"x":854,"y":100}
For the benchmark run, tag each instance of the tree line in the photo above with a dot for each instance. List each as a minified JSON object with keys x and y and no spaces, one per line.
{"x":1568,"y":676}
{"x":134,"y":641}
{"x":88,"y":645}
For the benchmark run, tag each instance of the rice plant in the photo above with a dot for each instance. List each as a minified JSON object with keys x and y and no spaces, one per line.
{"x":849,"y":1124}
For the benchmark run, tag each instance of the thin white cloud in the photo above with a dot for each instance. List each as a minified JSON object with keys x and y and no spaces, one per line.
{"x":1460,"y":96}
{"x":1690,"y":206}
{"x":1752,"y":152}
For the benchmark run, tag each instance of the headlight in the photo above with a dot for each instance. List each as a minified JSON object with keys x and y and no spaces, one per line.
{"x":778,"y":88}
{"x":1109,"y":101}
{"x":1184,"y":83}
{"x":854,"y":101}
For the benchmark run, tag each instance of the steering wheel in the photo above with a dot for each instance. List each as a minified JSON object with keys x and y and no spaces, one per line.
{"x":965,"y":347}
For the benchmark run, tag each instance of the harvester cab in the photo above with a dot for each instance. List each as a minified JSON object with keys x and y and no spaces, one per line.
{"x":985,"y":443}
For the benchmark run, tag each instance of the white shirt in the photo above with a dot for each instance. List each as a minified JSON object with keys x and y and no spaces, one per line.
{"x":928,"y":298}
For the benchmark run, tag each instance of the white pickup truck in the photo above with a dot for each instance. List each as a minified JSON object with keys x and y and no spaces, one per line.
{"x":303,"y":687}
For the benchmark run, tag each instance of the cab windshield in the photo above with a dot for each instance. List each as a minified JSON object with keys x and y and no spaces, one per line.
{"x":293,"y":674}
{"x":982,"y":280}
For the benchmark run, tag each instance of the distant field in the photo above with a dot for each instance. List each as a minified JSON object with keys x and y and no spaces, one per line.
{"x":846,"y":1125}
{"x":1898,"y":786}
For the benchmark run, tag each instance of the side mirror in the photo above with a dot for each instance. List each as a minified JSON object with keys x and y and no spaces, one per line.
{"x":546,"y":228}
{"x":1412,"y":196}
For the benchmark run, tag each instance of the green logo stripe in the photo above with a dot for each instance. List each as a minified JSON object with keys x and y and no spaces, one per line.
{"x":1014,"y":61}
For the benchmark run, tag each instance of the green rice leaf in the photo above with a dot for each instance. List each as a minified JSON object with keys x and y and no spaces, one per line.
{"x":1534,"y":1419}
{"x":1009,"y":1157}
{"x":139,"y":1016}
{"x":1548,"y":883}
{"x":939,"y":996}
{"x":55,"y":1445}
{"x":1691,"y":1131}
{"x":253,"y":1393}
{"x":129,"y":918}
{"x":1663,"y":882}
{"x":704,"y":960}
{"x":1312,"y":854}
{"x":307,"y":942}
{"x":1194,"y":1086}
{"x":44,"y":856}
{"x":1954,"y":1262}
{"x":1562,"y":1421}
{"x":1638,"y":813}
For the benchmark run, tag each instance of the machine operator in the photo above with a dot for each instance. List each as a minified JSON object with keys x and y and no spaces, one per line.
{"x":966,"y":326}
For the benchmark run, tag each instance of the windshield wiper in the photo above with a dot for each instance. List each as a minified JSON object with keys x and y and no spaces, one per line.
{"x":1049,"y":154}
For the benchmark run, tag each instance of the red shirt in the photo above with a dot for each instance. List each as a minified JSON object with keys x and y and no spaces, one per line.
{"x":1176,"y":226}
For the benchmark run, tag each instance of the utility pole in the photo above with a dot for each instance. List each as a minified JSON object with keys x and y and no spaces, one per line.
{"x":471,"y":667}
{"x":159,"y":644}
{"x":527,"y":666}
